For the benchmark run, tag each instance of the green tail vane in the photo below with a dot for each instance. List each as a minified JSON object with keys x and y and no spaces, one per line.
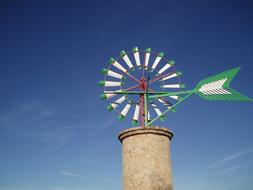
{"x":217,"y":87}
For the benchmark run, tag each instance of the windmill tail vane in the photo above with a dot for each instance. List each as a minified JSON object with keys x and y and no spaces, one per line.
{"x":134,"y":88}
{"x":217,"y":87}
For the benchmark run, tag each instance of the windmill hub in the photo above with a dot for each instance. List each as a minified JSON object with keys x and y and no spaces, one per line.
{"x":143,"y":85}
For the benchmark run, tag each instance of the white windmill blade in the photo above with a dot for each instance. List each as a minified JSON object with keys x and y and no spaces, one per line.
{"x":136,"y":115}
{"x":110,"y":83}
{"x":166,"y":104}
{"x":149,"y":117}
{"x":174,"y":97}
{"x":116,"y":64}
{"x":157,"y":110}
{"x":116,"y":103}
{"x":157,"y":60}
{"x":173,"y":75}
{"x":147,"y":56}
{"x":108,"y":95}
{"x":173,"y":86}
{"x":137,"y":56}
{"x":112,"y":74}
{"x":124,"y":112}
{"x":166,"y":66}
{"x":126,"y":59}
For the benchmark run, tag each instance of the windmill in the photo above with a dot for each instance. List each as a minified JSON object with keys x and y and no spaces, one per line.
{"x":149,"y":82}
{"x":145,"y":85}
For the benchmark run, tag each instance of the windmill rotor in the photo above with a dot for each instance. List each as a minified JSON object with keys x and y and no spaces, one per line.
{"x":134,"y":74}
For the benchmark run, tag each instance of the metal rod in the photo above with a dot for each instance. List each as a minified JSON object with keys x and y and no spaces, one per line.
{"x":133,"y":87}
{"x":159,"y":77}
{"x":142,"y":100}
{"x":154,"y":94}
{"x":159,"y":95}
{"x":142,"y":110}
{"x":146,"y":100}
{"x":187,"y":96}
{"x":146,"y":109}
{"x":132,"y":77}
{"x":164,"y":99}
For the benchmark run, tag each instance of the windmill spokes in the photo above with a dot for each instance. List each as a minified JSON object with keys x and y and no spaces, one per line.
{"x":158,"y":67}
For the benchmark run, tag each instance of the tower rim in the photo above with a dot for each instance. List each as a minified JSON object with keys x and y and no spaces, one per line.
{"x":145,"y":130}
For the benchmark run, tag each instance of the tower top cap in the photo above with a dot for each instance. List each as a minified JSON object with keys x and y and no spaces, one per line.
{"x":145,"y":130}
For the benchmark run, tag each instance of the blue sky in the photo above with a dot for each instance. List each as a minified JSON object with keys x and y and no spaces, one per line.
{"x":55,"y":132}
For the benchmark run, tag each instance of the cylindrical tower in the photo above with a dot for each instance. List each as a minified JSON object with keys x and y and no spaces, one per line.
{"x":146,"y":158}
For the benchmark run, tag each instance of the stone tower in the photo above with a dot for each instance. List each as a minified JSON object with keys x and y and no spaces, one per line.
{"x":146,"y":158}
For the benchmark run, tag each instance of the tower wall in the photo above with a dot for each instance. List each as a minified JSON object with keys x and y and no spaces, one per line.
{"x":146,"y":158}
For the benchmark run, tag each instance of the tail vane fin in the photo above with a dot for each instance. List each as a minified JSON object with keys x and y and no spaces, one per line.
{"x":217,"y":87}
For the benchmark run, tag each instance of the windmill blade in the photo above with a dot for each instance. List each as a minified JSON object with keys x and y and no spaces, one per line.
{"x":108,"y":96}
{"x":167,"y":104}
{"x":164,"y":102}
{"x":149,"y":117}
{"x":147,"y":56}
{"x":174,"y":97}
{"x":166,"y":66}
{"x":136,"y":115}
{"x":124,"y":112}
{"x":137,"y":56}
{"x":158,"y":111}
{"x":112,"y":74}
{"x":115,"y":104}
{"x":173,"y":86}
{"x":116,"y":64}
{"x":173,"y":75}
{"x":126,"y":59}
{"x":157,"y":60}
{"x":217,"y":87}
{"x":110,"y":83}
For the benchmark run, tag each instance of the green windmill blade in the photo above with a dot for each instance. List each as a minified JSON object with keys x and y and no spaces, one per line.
{"x":217,"y":87}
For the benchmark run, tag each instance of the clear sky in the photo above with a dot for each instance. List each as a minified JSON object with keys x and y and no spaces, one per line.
{"x":55,"y":132}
